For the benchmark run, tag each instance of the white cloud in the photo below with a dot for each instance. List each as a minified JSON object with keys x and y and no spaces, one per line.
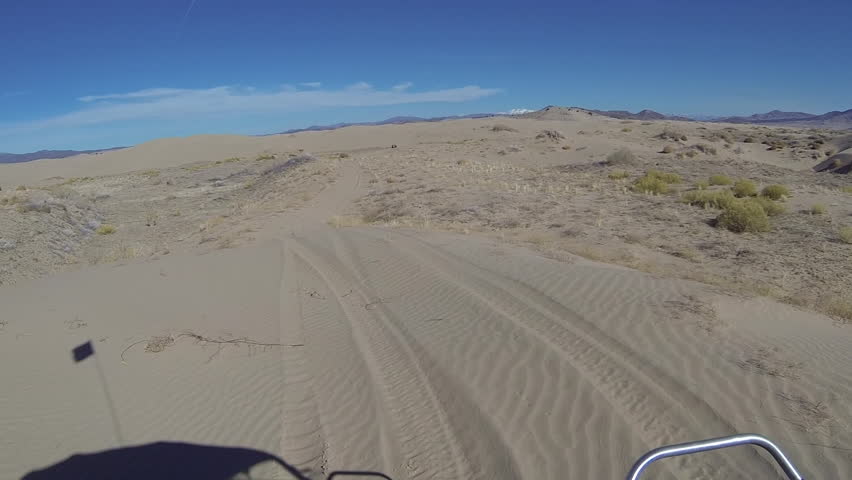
{"x":360,"y":86}
{"x":176,"y":103}
{"x":519,"y":111}
{"x":147,"y":93}
{"x":402,"y":86}
{"x":311,"y":84}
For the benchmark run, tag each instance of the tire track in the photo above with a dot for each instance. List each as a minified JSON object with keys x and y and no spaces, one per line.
{"x":609,"y":364}
{"x":428,"y":446}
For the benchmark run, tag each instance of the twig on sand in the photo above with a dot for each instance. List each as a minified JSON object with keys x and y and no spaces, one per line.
{"x":380,"y":301}
{"x":201,"y":338}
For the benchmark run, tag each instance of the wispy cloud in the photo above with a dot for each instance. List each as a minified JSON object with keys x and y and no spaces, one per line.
{"x":311,"y":84}
{"x":174,"y":103}
{"x":147,"y":93}
{"x":402,"y":86}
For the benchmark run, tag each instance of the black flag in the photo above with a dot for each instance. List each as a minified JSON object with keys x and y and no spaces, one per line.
{"x":83,"y":351}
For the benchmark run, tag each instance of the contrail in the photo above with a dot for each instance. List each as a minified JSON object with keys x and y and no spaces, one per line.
{"x":191,"y":4}
{"x":183,"y":20}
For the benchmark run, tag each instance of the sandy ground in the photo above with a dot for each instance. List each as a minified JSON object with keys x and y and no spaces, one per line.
{"x":446,"y":329}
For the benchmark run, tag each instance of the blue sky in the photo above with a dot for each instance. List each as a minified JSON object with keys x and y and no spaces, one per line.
{"x":92,"y":74}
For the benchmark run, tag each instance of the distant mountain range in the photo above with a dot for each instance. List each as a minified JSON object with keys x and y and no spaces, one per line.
{"x":27,"y":157}
{"x":389,"y":121}
{"x":835,"y":120}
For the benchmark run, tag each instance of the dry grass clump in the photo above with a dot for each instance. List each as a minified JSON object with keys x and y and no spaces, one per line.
{"x":105,"y":229}
{"x":846,"y":234}
{"x":502,"y":128}
{"x":618,"y":174}
{"x":743,"y":216}
{"x":771,"y":208}
{"x":775,"y":192}
{"x":664,"y":176}
{"x":720,"y":180}
{"x":838,"y":307}
{"x":749,"y":140}
{"x":150,"y":173}
{"x":621,"y":157}
{"x":265,"y":156}
{"x":744,"y":188}
{"x":549,"y":135}
{"x":667,"y":149}
{"x":655,"y":182}
{"x":846,"y":189}
{"x":705,"y":149}
{"x":669,"y":134}
{"x":702,"y":184}
{"x":818,"y":209}
{"x":288,"y":164}
{"x":709,"y":198}
{"x":626,"y":129}
{"x":21,"y":188}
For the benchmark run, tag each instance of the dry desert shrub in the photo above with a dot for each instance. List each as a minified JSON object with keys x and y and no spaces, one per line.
{"x":105,"y":229}
{"x":709,"y":199}
{"x":702,"y":185}
{"x":743,"y":216}
{"x":650,"y":186}
{"x":669,"y":134}
{"x":549,"y":135}
{"x":667,"y":149}
{"x":664,"y":176}
{"x":818,"y":209}
{"x":775,"y":192}
{"x":621,"y":157}
{"x":720,"y":180}
{"x":618,"y":174}
{"x":771,"y":208}
{"x":744,"y":188}
{"x":265,"y":156}
{"x":289,"y":164}
{"x":705,"y":149}
{"x":499,"y":127}
{"x":846,"y":234}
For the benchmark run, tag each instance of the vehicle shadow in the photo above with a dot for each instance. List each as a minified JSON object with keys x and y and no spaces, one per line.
{"x":174,"y":460}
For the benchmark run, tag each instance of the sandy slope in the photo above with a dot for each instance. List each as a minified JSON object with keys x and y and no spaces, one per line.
{"x":423,"y":355}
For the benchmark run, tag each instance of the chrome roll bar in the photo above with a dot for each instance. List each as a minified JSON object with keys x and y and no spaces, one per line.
{"x":715,"y":444}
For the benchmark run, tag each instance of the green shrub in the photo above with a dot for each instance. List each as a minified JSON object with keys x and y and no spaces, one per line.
{"x":650,"y":185}
{"x":105,"y":230}
{"x":846,"y":189}
{"x":771,"y":208}
{"x":744,"y":188}
{"x":846,"y":234}
{"x":709,"y":198}
{"x":702,"y":184}
{"x":818,"y":209}
{"x":775,"y":192}
{"x":720,"y":180}
{"x":664,"y":176}
{"x":743,"y":216}
{"x":618,"y":174}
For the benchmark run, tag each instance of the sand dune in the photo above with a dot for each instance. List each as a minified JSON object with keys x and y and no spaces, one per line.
{"x":418,"y":353}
